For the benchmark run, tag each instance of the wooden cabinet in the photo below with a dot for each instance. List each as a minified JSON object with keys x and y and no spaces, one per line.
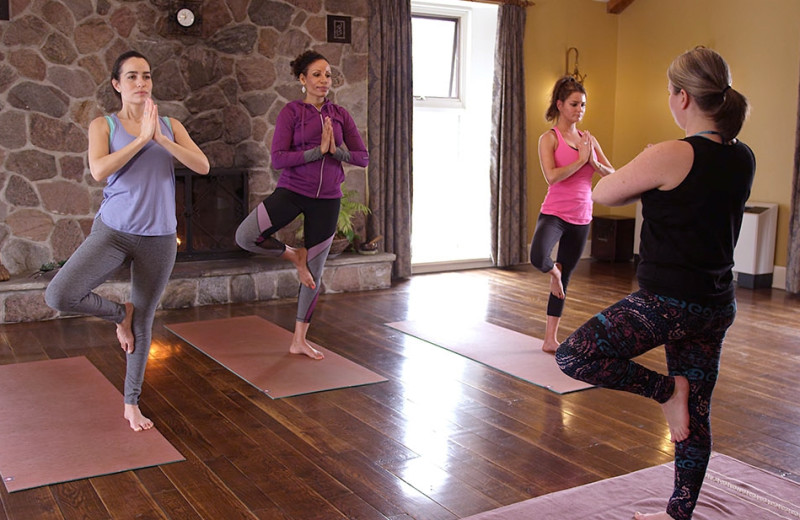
{"x":612,"y":238}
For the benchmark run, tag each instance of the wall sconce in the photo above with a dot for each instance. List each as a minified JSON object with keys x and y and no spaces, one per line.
{"x":575,"y":72}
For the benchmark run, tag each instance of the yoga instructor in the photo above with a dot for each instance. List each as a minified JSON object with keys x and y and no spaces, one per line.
{"x":693,"y":193}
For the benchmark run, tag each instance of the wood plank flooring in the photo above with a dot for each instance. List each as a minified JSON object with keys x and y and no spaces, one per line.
{"x":444,"y":438}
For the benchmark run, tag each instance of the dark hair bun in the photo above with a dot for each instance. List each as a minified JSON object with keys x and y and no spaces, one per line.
{"x":300,"y":64}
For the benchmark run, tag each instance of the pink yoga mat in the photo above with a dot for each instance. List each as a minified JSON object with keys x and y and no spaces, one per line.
{"x":258,"y":352}
{"x":506,"y":350}
{"x":61,"y":420}
{"x":732,"y":489}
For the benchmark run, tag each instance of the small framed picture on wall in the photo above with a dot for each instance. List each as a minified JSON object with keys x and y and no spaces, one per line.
{"x":339,"y":29}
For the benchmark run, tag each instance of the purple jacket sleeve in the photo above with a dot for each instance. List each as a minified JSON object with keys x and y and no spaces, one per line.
{"x":285,"y":154}
{"x":352,"y":139}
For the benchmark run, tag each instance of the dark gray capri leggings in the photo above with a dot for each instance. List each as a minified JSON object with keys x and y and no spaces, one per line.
{"x":571,"y":239}
{"x":98,"y":257}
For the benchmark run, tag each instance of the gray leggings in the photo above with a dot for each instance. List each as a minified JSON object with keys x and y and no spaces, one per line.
{"x":101,"y":254}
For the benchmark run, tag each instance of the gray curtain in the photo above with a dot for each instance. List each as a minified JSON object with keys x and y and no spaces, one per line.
{"x":793,"y":257}
{"x":508,"y":168}
{"x":390,"y":124}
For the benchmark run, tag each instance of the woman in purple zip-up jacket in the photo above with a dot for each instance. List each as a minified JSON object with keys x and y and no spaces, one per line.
{"x":312,"y":138}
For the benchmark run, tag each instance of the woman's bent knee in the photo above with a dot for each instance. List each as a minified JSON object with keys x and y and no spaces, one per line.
{"x":541,"y":262}
{"x":57,"y":298}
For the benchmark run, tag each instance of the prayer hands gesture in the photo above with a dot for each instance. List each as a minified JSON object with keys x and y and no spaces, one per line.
{"x":149,"y":125}
{"x":585,"y":146}
{"x":150,"y":128}
{"x":328,"y":144}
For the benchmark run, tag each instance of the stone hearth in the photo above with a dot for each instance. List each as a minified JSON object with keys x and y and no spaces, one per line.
{"x":209,"y":282}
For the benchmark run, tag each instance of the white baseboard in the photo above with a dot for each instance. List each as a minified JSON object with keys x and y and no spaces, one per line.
{"x":452,"y":265}
{"x":778,"y":277}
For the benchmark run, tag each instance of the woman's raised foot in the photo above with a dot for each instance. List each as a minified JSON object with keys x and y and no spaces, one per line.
{"x":676,"y":410}
{"x":125,"y":330}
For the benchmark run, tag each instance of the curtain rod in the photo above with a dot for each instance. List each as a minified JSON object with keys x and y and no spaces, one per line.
{"x":520,"y":3}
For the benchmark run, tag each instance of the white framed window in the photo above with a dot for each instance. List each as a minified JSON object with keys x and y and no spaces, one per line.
{"x":453,"y":64}
{"x":439,"y":48}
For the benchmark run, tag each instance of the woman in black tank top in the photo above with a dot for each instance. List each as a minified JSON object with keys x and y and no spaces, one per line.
{"x":693,"y":193}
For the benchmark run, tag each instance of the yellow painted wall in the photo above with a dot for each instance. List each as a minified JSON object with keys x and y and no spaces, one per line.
{"x":760,"y":40}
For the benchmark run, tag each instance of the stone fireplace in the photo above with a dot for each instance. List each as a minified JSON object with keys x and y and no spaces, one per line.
{"x":209,"y":209}
{"x":225,"y":81}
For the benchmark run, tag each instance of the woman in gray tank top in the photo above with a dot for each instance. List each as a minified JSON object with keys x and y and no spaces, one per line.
{"x":133,"y":151}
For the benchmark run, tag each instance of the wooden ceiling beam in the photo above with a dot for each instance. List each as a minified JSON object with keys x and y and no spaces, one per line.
{"x":617,"y":6}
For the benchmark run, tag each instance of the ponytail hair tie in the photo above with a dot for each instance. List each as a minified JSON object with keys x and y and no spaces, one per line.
{"x":727,"y":87}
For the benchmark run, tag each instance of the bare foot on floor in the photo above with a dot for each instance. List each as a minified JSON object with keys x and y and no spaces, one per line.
{"x":651,"y":516}
{"x":550,"y":346}
{"x":125,"y":331}
{"x":556,"y":288}
{"x":676,"y":410}
{"x":299,"y":257}
{"x":137,"y":421}
{"x":305,"y":349}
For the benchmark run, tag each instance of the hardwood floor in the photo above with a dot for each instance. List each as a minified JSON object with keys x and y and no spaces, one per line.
{"x":444,"y":438}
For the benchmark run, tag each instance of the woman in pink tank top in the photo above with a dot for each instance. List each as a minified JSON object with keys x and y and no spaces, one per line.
{"x":569,"y":158}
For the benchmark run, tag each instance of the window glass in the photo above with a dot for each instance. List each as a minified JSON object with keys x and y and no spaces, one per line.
{"x":435,"y":51}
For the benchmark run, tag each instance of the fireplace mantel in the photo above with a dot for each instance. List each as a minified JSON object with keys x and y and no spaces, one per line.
{"x":208,"y":282}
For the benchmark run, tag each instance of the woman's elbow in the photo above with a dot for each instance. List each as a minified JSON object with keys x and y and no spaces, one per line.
{"x":278,"y":160}
{"x":359,"y":158}
{"x":204,"y":167}
{"x":600,"y":196}
{"x":96,"y":174}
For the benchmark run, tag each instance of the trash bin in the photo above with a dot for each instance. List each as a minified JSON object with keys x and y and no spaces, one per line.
{"x":753,"y":258}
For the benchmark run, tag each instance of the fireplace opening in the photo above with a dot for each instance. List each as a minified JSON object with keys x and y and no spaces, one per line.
{"x":209,"y":209}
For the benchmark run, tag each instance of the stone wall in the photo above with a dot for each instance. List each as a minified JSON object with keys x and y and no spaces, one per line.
{"x":225,"y":79}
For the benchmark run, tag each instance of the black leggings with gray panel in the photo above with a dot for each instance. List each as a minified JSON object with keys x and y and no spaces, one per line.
{"x":256,"y":234}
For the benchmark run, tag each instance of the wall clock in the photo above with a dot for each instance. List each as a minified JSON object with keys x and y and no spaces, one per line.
{"x":185,"y":17}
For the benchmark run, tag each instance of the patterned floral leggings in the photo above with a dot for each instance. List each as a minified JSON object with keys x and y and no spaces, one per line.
{"x":600,"y":353}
